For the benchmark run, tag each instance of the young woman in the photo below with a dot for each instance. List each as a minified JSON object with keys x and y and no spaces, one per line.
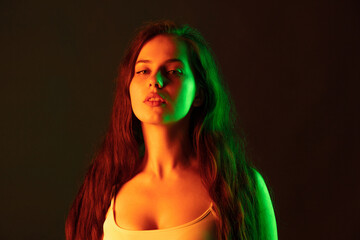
{"x":171,"y":165}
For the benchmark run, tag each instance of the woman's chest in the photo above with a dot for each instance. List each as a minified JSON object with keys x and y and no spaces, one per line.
{"x":160,"y":206}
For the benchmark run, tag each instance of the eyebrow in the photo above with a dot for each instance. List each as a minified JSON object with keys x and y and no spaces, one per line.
{"x":167,"y":61}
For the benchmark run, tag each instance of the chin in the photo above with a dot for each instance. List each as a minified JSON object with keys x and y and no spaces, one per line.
{"x":153,"y":120}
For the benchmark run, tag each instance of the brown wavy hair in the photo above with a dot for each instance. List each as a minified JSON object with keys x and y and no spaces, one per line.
{"x":224,"y":170}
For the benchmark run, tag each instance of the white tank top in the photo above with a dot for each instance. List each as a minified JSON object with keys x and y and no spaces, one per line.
{"x":201,"y":228}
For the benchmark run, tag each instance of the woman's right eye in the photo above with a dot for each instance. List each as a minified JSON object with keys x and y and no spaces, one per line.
{"x":142,"y":72}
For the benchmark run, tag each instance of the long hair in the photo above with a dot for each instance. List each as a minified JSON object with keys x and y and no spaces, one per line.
{"x":224,"y":170}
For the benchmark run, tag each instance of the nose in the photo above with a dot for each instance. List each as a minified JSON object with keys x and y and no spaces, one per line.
{"x":157,"y":80}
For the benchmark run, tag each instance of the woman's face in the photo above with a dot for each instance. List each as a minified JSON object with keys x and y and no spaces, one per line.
{"x":163,"y":88}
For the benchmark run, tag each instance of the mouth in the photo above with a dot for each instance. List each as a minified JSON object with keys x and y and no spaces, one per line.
{"x":154,"y":98}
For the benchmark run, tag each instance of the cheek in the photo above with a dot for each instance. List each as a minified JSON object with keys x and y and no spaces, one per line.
{"x":186,"y":96}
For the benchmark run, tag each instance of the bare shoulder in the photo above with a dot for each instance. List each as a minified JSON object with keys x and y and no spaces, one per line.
{"x":266,"y":211}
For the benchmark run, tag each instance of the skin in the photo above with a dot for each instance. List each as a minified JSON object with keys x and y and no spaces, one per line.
{"x":267,"y":215}
{"x":167,"y":143}
{"x":168,"y":191}
{"x":169,"y":183}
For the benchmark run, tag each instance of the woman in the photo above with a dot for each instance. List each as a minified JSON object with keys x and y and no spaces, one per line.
{"x":171,"y":165}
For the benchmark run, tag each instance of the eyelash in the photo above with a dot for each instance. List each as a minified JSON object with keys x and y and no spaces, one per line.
{"x":141,"y":72}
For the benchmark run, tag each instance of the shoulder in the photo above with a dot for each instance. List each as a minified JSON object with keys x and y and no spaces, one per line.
{"x":266,"y":216}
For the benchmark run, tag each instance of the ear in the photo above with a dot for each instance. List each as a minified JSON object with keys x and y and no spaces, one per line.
{"x":199,"y":98}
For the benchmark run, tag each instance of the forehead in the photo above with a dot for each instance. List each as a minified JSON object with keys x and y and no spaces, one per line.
{"x":162,"y":48}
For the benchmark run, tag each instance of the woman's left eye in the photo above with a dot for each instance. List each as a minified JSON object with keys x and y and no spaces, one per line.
{"x":175,"y":71}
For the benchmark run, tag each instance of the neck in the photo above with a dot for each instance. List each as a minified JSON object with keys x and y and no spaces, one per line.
{"x":168,"y":149}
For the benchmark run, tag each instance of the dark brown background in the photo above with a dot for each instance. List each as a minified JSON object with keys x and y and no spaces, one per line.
{"x":293,"y":70}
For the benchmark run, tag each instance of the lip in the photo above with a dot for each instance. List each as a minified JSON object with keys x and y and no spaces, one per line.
{"x":154,"y":103}
{"x":154,"y":99}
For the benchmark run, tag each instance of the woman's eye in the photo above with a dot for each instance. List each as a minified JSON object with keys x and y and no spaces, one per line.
{"x":142,"y":72}
{"x":177,"y":72}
